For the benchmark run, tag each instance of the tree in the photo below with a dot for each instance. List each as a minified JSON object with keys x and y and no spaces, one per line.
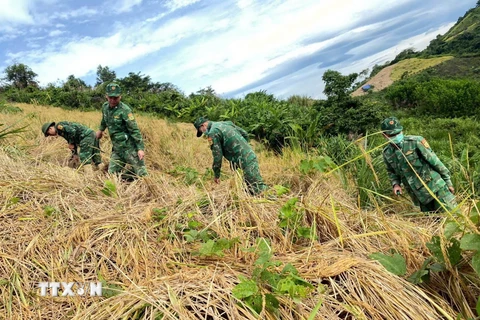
{"x":158,"y":87}
{"x":20,"y":76}
{"x":405,"y":54}
{"x":135,"y":82}
{"x":104,"y":75}
{"x":338,"y":86}
{"x":74,"y":83}
{"x":478,"y":4}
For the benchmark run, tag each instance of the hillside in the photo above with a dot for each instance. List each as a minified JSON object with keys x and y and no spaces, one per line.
{"x":455,"y":54}
{"x":395,"y":72}
{"x":174,"y":245}
{"x":466,"y":24}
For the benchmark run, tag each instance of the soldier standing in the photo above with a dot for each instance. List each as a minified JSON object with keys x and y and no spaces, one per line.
{"x":77,"y":135}
{"x":411,"y":161}
{"x":127,"y":141}
{"x":230,"y":141}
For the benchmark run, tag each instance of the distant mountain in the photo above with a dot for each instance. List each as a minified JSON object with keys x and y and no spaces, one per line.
{"x":462,"y":39}
{"x":456,"y":54}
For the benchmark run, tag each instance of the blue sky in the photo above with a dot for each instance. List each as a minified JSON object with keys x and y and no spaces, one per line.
{"x":236,"y":47}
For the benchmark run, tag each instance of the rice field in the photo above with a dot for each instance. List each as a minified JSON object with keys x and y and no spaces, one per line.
{"x":174,"y":245}
{"x":415,"y":65}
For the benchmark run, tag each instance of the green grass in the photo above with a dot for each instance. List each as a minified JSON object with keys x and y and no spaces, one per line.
{"x":468,"y":23}
{"x":415,"y":65}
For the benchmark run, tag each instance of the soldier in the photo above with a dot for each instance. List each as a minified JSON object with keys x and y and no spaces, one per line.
{"x":410,"y":160}
{"x":127,"y":141}
{"x":77,"y":135}
{"x":229,"y":141}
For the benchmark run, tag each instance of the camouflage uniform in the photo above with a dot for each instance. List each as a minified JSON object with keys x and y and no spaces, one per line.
{"x":230,"y":141}
{"x":80,"y":136}
{"x":412,"y":159}
{"x":126,"y":138}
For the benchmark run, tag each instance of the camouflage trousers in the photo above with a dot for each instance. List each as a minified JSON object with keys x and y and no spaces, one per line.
{"x":445,"y":197}
{"x":122,"y":157}
{"x":251,"y":173}
{"x":90,"y":150}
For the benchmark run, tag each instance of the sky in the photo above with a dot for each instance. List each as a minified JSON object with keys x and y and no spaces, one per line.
{"x":234,"y":46}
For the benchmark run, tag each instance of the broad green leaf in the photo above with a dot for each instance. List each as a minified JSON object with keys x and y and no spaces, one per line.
{"x":281,"y":190}
{"x":271,"y":303}
{"x":270,"y":278}
{"x":470,"y":242}
{"x":110,"y":289}
{"x":109,"y":189}
{"x":194,"y":224}
{"x":454,"y":252}
{"x":323,"y":164}
{"x":450,"y":229}
{"x":420,"y":276}
{"x":300,"y":281}
{"x":476,"y":262}
{"x":285,"y":285}
{"x":255,"y":302}
{"x":435,"y":248}
{"x":395,"y":264}
{"x":305,"y":232}
{"x":474,"y":216}
{"x":437,"y":267}
{"x":306,"y":166}
{"x":210,"y":248}
{"x":245,"y":289}
{"x":289,"y":268}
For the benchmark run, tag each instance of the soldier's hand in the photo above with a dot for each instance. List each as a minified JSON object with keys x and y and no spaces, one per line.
{"x":216,"y":180}
{"x":452,"y":190}
{"x":141,"y":154}
{"x":71,"y":146}
{"x":99,"y":134}
{"x":397,"y":189}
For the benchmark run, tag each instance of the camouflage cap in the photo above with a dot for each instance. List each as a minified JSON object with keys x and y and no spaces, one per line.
{"x":198,"y":124}
{"x":113,"y":90}
{"x":46,"y":126}
{"x":391,"y":126}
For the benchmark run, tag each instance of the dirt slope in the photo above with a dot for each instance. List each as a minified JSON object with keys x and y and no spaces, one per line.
{"x":380,"y":81}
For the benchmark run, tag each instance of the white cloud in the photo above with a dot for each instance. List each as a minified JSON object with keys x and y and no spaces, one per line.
{"x":55,"y":33}
{"x":80,"y":12}
{"x":81,"y":56}
{"x":228,"y":45}
{"x":125,"y":5}
{"x":308,"y":81}
{"x":15,"y":11}
{"x":265,"y":36}
{"x":242,"y":4}
{"x":177,"y":4}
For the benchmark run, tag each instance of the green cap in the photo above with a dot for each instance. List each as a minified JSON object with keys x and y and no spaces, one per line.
{"x":46,"y":126}
{"x":391,"y":126}
{"x":198,"y":123}
{"x":113,"y":90}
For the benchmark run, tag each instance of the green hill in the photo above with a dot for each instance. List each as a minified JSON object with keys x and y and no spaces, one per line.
{"x":462,"y":39}
{"x":465,"y":24}
{"x":454,"y":55}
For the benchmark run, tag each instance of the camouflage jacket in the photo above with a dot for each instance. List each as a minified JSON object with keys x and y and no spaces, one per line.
{"x":229,"y":141}
{"x":122,"y":127}
{"x":412,"y":161}
{"x":73,"y":132}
